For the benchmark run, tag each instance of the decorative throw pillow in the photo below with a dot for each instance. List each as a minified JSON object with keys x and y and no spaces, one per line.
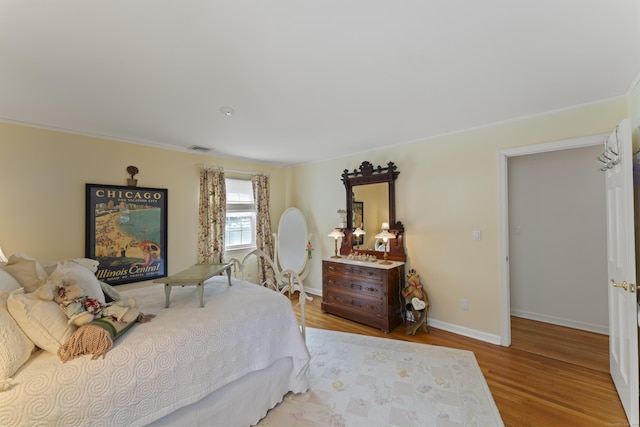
{"x":15,"y":346}
{"x":42,"y":321}
{"x":42,"y":274}
{"x":25,"y":272}
{"x":8,"y":283}
{"x":75,"y":274}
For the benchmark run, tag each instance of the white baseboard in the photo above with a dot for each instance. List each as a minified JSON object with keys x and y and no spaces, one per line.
{"x":460,"y":330}
{"x":464,"y":331}
{"x":589,"y":327}
{"x":313,"y":291}
{"x":449,"y":327}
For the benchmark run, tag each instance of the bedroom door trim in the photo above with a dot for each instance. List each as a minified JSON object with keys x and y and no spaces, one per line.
{"x":503,"y":214}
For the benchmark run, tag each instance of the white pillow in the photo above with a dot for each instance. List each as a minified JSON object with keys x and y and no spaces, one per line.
{"x":25,"y":271}
{"x":8,"y":283}
{"x":42,"y":321}
{"x":15,"y":346}
{"x":42,"y":274}
{"x":75,"y":274}
{"x":110,"y":294}
{"x":90,"y":264}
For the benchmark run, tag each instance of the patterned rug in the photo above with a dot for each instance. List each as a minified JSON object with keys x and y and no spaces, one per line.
{"x":358,"y":380}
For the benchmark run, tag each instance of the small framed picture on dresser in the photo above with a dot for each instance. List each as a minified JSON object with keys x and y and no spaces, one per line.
{"x":126,"y":232}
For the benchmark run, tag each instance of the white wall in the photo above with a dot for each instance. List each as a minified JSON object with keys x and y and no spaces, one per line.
{"x":557,"y":245}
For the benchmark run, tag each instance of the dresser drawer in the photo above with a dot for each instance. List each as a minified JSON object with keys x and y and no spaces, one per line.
{"x":370,"y":307}
{"x":349,"y":284}
{"x":374,"y":275}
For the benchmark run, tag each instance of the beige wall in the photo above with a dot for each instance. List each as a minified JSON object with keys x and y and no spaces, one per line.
{"x":447,"y":188}
{"x":42,"y":189}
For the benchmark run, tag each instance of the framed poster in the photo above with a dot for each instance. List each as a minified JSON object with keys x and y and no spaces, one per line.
{"x":358,"y":221}
{"x":126,"y":232}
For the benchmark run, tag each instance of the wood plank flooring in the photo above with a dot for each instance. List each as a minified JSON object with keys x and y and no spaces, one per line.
{"x":582,"y":348}
{"x":529,"y":389}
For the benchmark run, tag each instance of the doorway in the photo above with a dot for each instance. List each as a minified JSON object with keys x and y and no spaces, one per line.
{"x":506,"y":230}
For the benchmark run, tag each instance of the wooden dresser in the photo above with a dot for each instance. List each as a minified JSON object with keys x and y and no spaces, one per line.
{"x":364,"y":292}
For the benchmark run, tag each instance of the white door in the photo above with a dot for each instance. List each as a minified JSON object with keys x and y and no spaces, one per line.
{"x":623,"y":320}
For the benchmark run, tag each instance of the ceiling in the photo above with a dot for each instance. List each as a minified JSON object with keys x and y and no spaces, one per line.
{"x":307,"y":80}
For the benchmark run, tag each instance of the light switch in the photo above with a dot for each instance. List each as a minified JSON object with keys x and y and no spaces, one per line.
{"x":477,"y":235}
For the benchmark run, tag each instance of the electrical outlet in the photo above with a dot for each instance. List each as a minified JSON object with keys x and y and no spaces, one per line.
{"x":464,"y":304}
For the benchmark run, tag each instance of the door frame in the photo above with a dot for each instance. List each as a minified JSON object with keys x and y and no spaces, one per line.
{"x":503,"y":214}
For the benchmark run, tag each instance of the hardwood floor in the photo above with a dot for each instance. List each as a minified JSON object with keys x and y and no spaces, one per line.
{"x":529,"y":389}
{"x":582,"y":348}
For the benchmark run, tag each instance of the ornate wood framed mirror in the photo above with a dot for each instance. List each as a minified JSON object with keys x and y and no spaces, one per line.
{"x":372,"y":192}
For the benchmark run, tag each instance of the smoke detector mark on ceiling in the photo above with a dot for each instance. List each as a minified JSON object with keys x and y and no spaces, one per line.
{"x":199,"y":148}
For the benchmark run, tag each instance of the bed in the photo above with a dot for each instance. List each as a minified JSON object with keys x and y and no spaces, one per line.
{"x":225,"y":364}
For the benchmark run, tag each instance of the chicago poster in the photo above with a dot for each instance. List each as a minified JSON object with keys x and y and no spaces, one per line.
{"x":126,"y":231}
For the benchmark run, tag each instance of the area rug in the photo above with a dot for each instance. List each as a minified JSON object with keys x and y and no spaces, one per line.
{"x":358,"y":380}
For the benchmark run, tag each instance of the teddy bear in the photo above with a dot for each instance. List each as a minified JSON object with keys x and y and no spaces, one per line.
{"x":417,"y":302}
{"x":81,"y":309}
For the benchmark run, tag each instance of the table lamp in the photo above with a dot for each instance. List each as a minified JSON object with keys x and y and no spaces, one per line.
{"x":385,"y":236}
{"x":336,"y":234}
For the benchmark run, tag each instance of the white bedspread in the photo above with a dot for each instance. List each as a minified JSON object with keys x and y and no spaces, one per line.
{"x":178,"y":358}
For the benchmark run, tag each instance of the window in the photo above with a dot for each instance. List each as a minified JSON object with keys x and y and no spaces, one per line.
{"x":240,"y":227}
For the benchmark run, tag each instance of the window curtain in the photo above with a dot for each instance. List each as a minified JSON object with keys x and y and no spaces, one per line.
{"x":212,"y":215}
{"x":264,"y":238}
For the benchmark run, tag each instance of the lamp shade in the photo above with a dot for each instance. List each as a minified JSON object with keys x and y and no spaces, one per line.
{"x":385,"y":235}
{"x":336,"y":234}
{"x":359,"y":232}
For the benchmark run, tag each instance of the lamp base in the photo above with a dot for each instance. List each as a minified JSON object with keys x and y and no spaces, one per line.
{"x":336,"y":256}
{"x":385,"y":262}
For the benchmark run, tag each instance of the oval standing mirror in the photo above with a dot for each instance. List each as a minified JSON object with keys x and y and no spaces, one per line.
{"x":291,"y":241}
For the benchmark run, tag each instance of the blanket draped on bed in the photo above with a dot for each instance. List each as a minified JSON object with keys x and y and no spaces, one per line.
{"x":184,"y":354}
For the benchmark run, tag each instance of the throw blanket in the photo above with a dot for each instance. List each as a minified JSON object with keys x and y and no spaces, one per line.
{"x":181,"y":356}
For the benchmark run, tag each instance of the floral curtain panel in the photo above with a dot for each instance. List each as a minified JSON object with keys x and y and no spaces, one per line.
{"x":264,"y":238}
{"x":212,"y":214}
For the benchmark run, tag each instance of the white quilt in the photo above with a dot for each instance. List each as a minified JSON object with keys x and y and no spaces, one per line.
{"x":182,"y":355}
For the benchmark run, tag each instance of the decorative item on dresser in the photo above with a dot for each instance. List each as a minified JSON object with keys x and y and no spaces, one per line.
{"x":365,"y":292}
{"x":385,"y":236}
{"x":336,"y":234}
